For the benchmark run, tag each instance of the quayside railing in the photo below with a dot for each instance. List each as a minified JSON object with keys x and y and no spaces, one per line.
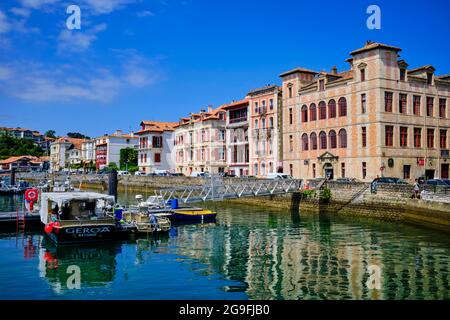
{"x":217,"y":190}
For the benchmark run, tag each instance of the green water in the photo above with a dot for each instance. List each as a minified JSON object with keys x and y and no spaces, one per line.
{"x":249,"y":253}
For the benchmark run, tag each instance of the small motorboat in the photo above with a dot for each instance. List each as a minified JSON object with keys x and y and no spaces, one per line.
{"x":193,"y":214}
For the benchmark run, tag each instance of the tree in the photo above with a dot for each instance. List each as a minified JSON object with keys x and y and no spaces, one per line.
{"x":77,"y":135}
{"x":113,"y":165}
{"x":129,"y":159}
{"x":11,"y":146}
{"x":50,"y":133}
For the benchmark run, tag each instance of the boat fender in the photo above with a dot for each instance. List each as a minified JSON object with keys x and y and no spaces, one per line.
{"x":48,"y":228}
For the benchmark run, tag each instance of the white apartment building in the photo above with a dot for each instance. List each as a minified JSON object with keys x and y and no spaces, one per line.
{"x":107,"y":148}
{"x":156,"y":146}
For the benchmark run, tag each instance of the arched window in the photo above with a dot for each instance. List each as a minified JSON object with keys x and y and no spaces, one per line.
{"x":342,"y":107}
{"x":271,"y":122}
{"x":305,"y":145}
{"x":312,"y":112}
{"x":333,"y":139}
{"x":332,"y":109}
{"x":322,"y":110}
{"x":323,"y":140}
{"x":304,"y":113}
{"x":256,"y":123}
{"x":313,"y":139}
{"x":342,"y":138}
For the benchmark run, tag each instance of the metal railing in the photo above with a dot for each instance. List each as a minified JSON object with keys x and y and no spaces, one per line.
{"x":215,"y":189}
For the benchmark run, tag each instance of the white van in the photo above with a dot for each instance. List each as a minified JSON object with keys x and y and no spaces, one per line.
{"x":278,"y":176}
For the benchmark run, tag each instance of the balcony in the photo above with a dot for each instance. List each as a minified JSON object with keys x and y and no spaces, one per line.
{"x":237,"y":120}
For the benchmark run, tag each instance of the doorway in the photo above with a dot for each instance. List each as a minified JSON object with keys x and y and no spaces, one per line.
{"x":429,"y":174}
{"x":444,"y":170}
{"x":328,"y":170}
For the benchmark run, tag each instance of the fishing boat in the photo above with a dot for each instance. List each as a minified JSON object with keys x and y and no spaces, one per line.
{"x":71,"y":217}
{"x":146,"y":220}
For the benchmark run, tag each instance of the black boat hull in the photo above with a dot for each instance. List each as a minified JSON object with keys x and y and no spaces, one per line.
{"x":82,"y":234}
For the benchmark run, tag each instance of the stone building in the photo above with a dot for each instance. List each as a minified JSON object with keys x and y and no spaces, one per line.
{"x":200,"y":143}
{"x":265,"y":130}
{"x":379,"y":118}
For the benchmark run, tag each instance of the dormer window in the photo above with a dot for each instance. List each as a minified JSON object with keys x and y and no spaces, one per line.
{"x":402,"y":74}
{"x":362,"y":71}
{"x":322,"y":85}
{"x":429,"y":78}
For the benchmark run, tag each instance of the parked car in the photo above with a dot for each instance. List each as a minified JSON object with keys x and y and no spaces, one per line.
{"x":226,"y":174}
{"x":198,"y":174}
{"x":123,"y":173}
{"x":389,"y":180}
{"x":375,"y":182}
{"x":278,"y":176}
{"x":436,"y":182}
{"x":345,"y":179}
{"x":177,"y":174}
{"x":447,"y":181}
{"x":161,"y":172}
{"x":150,"y":174}
{"x":139,"y":173}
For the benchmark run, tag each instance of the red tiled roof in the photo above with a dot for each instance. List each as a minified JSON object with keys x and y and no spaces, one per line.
{"x":18,"y":158}
{"x":296,"y":70}
{"x":236,"y":104}
{"x":374,"y":45}
{"x":157,"y":126}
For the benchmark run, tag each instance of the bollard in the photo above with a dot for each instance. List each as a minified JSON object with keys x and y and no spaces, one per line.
{"x":112,"y":184}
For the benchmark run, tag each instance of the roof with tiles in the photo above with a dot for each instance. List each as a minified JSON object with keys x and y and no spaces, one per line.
{"x":18,"y":158}
{"x":374,"y":45}
{"x":156,"y":126}
{"x":297,"y":70}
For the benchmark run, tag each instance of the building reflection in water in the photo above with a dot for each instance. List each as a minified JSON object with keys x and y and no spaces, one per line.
{"x":319,"y":258}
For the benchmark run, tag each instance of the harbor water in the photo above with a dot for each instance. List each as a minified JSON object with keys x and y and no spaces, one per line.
{"x":248,"y":253}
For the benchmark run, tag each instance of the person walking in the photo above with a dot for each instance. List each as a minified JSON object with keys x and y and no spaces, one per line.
{"x":416,"y":190}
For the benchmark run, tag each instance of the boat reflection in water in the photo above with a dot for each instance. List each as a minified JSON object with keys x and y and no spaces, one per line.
{"x":96,"y":263}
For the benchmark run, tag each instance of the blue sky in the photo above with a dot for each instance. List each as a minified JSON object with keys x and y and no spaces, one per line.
{"x":161,"y":59}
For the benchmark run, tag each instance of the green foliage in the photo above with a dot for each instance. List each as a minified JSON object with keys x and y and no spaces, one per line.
{"x":77,"y":135}
{"x":113,"y":165}
{"x":50,"y":133}
{"x":128,"y":156}
{"x":11,"y":146}
{"x":309,"y":194}
{"x":325,"y":194}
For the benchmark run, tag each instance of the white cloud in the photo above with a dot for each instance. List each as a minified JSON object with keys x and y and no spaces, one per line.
{"x":37,"y":4}
{"x":5,"y":26}
{"x":78,"y":41}
{"x":107,"y":6}
{"x":5,"y":73}
{"x":145,"y":13}
{"x":22,"y":12}
{"x":70,"y":83}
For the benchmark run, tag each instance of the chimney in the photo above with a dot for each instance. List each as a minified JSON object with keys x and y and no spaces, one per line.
{"x":210,"y":108}
{"x":334,"y":70}
{"x":118,"y":132}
